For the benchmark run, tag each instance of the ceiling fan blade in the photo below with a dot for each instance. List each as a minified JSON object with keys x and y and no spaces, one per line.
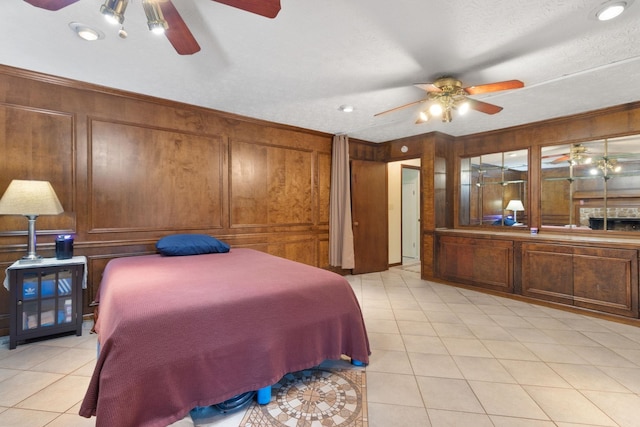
{"x":494,"y":87}
{"x":178,"y":33}
{"x":429,"y":87}
{"x":483,"y":107}
{"x":51,"y":4}
{"x":266,"y":8}
{"x":561,"y":159}
{"x":400,"y":107}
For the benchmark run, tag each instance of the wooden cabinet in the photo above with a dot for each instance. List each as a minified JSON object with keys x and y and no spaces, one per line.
{"x":482,"y":262}
{"x":46,"y":299}
{"x":598,"y":278}
{"x":599,"y":275}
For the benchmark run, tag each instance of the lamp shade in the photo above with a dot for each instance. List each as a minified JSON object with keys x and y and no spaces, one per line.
{"x":30,"y":198}
{"x":515,"y":205}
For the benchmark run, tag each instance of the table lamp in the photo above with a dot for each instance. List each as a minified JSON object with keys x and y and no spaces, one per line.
{"x":31,"y":199}
{"x":515,"y":206}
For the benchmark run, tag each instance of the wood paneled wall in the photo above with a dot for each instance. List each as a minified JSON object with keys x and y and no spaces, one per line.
{"x":129,"y":169}
{"x":606,"y":123}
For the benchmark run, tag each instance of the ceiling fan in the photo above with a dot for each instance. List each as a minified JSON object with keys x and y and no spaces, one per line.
{"x":447,"y":94}
{"x":599,"y":163}
{"x":577,"y":154}
{"x":163,"y":14}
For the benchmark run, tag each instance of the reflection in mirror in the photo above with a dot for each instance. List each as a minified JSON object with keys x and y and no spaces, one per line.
{"x":494,"y":189}
{"x":592,"y":185}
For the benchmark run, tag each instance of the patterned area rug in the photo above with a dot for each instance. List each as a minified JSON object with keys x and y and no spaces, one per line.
{"x":314,"y":398}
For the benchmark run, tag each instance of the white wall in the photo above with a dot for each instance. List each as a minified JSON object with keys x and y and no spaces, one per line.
{"x":394,"y":190}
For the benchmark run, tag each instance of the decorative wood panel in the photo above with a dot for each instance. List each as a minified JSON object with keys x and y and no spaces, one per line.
{"x":606,"y":279}
{"x":323,"y":254}
{"x":144,"y":178}
{"x":96,"y":267}
{"x":456,"y":258}
{"x":270,"y":185}
{"x":547,"y":272}
{"x":483,"y":262}
{"x":324,"y":187}
{"x":619,"y":120}
{"x":429,"y":192}
{"x":303,"y":251}
{"x":427,"y":269}
{"x":130,"y":168}
{"x":440,"y":191}
{"x":37,"y":144}
{"x":493,"y":264}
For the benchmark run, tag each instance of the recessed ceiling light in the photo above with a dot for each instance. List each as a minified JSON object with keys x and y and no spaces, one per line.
{"x":346,"y":108}
{"x":610,"y":9}
{"x":85,"y":32}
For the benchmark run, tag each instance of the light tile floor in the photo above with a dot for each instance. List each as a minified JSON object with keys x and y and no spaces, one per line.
{"x":442,"y":356}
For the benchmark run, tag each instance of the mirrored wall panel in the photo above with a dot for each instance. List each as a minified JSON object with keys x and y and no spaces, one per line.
{"x":593,"y":185}
{"x":494,"y":189}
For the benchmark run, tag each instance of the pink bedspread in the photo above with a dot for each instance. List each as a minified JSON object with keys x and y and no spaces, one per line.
{"x":181,"y":332}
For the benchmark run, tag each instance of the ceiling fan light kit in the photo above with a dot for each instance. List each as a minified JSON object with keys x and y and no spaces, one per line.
{"x":436,"y":109}
{"x":447,"y":94}
{"x":155,"y":20}
{"x":113,"y":11}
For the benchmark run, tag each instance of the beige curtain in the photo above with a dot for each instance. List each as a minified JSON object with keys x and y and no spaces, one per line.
{"x":340,"y":231}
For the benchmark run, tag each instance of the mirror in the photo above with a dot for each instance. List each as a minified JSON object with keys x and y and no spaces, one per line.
{"x":494,"y":189}
{"x":593,"y":185}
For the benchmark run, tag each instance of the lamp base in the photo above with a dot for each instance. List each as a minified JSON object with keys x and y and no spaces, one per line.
{"x":31,"y":255}
{"x":30,"y":259}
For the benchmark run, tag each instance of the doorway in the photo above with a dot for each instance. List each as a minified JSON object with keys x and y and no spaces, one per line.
{"x":410,"y":207}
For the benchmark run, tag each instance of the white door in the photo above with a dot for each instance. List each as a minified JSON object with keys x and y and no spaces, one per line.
{"x":410,"y":213}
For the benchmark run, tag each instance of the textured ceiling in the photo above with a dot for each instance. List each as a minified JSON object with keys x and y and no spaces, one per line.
{"x":298,"y":68}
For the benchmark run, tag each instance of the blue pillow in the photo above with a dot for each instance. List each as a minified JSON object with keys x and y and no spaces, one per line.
{"x":507,"y":221}
{"x":190,"y":244}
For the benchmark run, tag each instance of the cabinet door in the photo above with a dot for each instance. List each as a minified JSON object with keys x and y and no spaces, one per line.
{"x":606,"y":279}
{"x":547,"y":272}
{"x":456,"y":258}
{"x":45,"y":301}
{"x":483,"y":262}
{"x":493,"y":264}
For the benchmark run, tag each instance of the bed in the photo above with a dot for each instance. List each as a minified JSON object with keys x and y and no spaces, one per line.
{"x":189,"y":331}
